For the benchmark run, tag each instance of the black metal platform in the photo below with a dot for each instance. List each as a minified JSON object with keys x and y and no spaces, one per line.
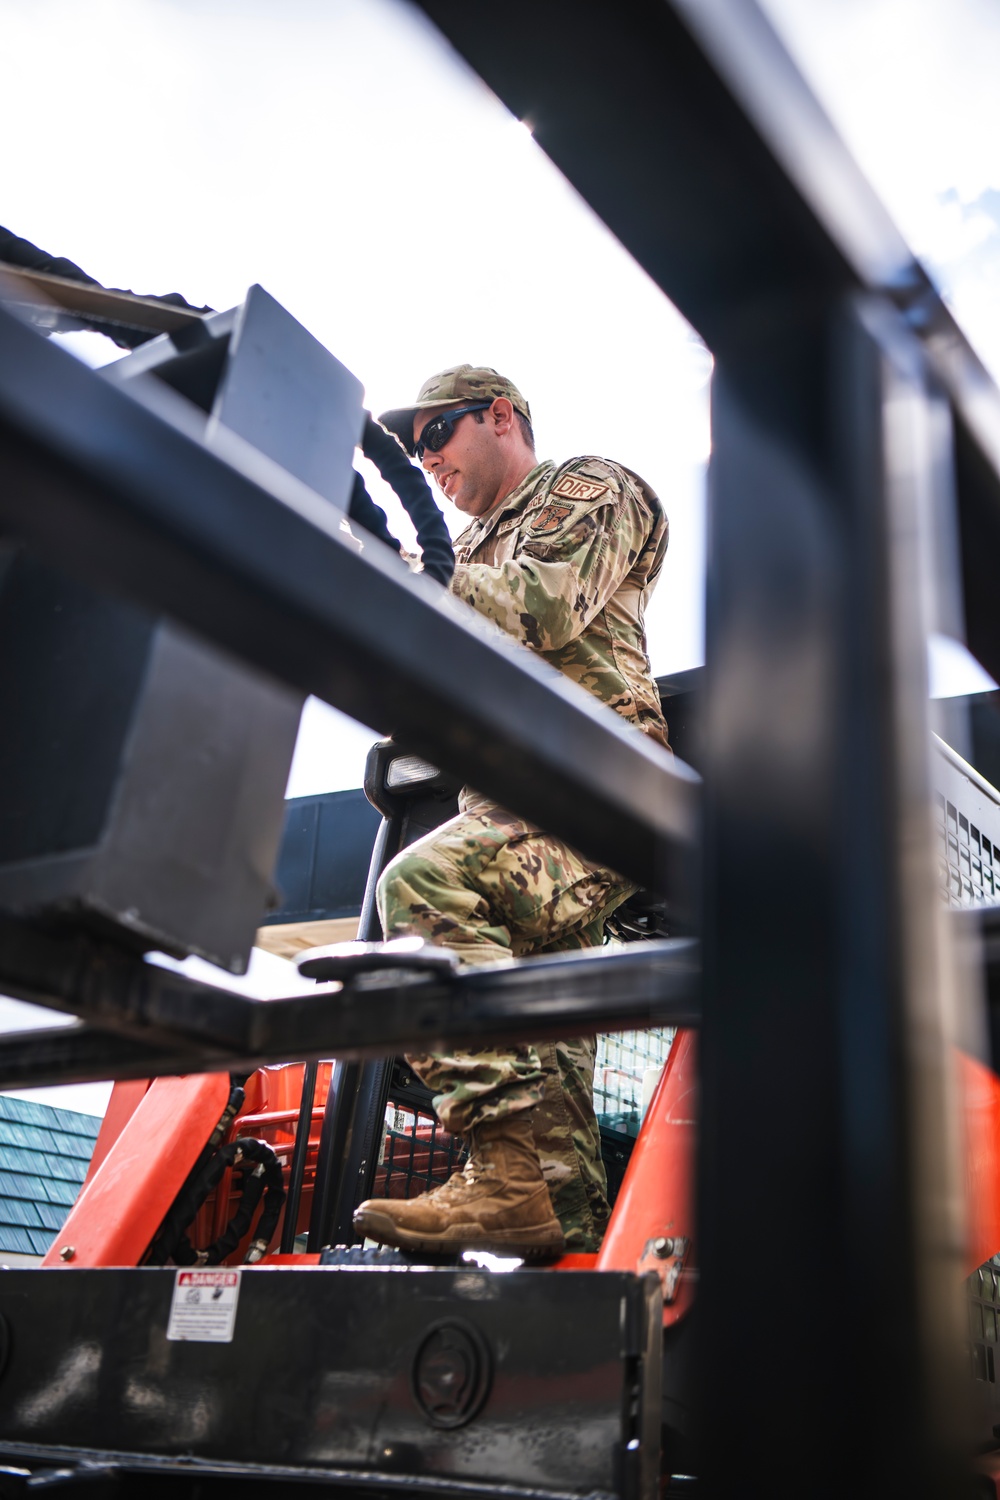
{"x":434,"y":1380}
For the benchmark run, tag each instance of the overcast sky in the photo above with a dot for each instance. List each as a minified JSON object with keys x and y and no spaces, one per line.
{"x":338,"y":153}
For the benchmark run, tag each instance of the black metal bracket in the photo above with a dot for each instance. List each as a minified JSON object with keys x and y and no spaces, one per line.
{"x":142,"y":1020}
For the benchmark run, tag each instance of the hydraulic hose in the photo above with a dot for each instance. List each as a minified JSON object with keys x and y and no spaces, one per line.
{"x":16,"y":251}
{"x":389,"y":457}
{"x":382,"y":447}
{"x":367,"y":514}
{"x":262,"y":1177}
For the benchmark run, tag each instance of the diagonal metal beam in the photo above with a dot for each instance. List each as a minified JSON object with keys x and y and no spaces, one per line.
{"x":54,"y":302}
{"x":688,"y":128}
{"x":120,"y":488}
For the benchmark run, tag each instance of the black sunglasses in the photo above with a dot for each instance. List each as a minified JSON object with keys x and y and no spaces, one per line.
{"x":439,"y":431}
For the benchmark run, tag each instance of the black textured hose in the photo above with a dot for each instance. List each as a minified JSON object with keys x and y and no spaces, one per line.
{"x":179,"y":1216}
{"x":382,"y":447}
{"x":262,"y":1177}
{"x":367,"y":514}
{"x":390,"y":458}
{"x":15,"y":251}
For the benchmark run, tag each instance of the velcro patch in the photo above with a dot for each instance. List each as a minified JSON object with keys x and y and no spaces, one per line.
{"x":550,"y":519}
{"x":574,"y":487}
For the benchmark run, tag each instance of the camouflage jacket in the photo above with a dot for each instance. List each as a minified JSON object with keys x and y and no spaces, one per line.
{"x":565,"y":564}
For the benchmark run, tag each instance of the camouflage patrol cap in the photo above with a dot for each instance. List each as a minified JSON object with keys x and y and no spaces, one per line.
{"x":457,"y":387}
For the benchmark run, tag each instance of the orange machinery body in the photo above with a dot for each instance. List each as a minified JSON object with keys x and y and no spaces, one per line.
{"x":151,"y":1137}
{"x":154,"y":1132}
{"x":980,"y":1089}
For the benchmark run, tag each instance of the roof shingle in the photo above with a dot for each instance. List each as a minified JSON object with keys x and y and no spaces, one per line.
{"x":44,"y":1154}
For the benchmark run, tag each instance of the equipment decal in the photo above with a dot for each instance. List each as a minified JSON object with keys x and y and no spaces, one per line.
{"x":203,"y":1306}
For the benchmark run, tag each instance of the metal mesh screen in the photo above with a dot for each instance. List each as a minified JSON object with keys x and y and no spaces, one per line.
{"x":625,"y":1060}
{"x":970,"y":864}
{"x":417,"y":1153}
{"x":967,"y":816}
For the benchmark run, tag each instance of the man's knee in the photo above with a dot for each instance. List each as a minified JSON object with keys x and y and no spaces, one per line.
{"x":395,"y":877}
{"x":406,"y":882}
{"x":414,"y":889}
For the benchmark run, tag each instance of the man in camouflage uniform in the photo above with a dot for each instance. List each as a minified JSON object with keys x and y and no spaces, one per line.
{"x":563,"y":559}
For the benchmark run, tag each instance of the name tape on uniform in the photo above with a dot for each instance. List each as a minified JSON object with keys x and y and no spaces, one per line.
{"x":203,"y":1306}
{"x":575,"y":487}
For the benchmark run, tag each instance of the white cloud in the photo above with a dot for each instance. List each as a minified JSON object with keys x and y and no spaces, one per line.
{"x":912,"y":87}
{"x":911,"y":84}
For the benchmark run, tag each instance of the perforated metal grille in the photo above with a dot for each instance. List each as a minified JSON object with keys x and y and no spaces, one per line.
{"x":970,"y":864}
{"x":984,"y":1321}
{"x":417,"y":1154}
{"x":623,"y":1061}
{"x":967,"y":813}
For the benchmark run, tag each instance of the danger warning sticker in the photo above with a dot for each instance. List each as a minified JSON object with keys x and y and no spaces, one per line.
{"x":203,"y":1306}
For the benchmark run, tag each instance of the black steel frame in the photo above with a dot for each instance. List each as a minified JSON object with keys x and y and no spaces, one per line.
{"x":844,"y":395}
{"x":845,"y":401}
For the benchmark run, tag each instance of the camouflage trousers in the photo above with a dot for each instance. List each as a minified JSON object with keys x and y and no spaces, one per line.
{"x":491,"y":887}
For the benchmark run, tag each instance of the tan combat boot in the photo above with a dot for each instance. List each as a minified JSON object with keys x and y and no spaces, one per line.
{"x":498,"y":1202}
